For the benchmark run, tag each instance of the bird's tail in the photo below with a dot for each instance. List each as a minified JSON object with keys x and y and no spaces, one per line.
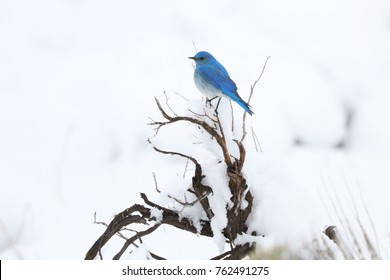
{"x":242,"y":103}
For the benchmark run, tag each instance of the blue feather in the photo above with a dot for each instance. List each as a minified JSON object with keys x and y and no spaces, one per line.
{"x":212,"y":79}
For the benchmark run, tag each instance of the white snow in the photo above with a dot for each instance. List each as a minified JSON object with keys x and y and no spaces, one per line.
{"x":77,"y":87}
{"x":157,"y":214}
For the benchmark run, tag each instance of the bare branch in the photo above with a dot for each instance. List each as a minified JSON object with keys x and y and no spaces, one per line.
{"x":185,"y":169}
{"x":241,"y":149}
{"x":258,"y":79}
{"x":256,"y":141}
{"x":134,"y":238}
{"x":200,"y":190}
{"x":156,"y":257}
{"x":188,"y":204}
{"x":250,"y":97}
{"x":124,"y":218}
{"x":181,"y":96}
{"x":167,"y":103}
{"x":193,"y":43}
{"x":220,"y":140}
{"x":232,"y":116}
{"x":236,"y":253}
{"x":106,"y":225}
{"x":155,"y":182}
{"x":177,"y":154}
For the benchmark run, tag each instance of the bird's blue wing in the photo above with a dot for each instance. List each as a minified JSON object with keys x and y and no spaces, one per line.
{"x":218,"y":77}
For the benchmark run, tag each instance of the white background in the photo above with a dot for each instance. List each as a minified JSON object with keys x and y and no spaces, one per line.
{"x":77,"y":87}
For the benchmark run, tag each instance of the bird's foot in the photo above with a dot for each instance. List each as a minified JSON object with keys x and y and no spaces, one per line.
{"x":208,"y":101}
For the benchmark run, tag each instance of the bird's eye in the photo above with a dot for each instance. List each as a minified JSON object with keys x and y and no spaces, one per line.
{"x":201,"y":58}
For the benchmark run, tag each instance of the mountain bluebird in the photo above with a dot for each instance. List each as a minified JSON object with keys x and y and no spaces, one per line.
{"x":212,"y":79}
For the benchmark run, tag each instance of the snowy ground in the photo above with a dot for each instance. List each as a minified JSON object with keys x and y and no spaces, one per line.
{"x":77,"y":85}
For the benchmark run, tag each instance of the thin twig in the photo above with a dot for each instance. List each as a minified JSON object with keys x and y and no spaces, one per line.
{"x":134,"y":238}
{"x":185,"y":169}
{"x":250,"y":97}
{"x":155,"y":182}
{"x":234,"y":253}
{"x":10,"y":241}
{"x":220,"y":140}
{"x":258,"y":79}
{"x":181,"y":96}
{"x":167,"y":103}
{"x":256,"y":141}
{"x":218,"y":122}
{"x":106,"y":225}
{"x":188,"y":204}
{"x":157,"y":257}
{"x":232,"y":116}
{"x":196,"y":114}
{"x":176,"y":154}
{"x":193,"y":43}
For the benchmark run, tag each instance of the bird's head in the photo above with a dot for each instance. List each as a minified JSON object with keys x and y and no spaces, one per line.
{"x":202,"y":58}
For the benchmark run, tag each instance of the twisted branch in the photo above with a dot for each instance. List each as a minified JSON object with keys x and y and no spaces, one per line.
{"x":141,"y":214}
{"x":214,"y":133}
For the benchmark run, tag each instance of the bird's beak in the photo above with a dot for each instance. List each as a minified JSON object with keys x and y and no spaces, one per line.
{"x":191,"y":57}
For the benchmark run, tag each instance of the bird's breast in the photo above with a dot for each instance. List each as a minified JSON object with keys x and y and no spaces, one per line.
{"x":205,"y":87}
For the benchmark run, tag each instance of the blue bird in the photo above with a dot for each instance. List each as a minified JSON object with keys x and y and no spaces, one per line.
{"x":212,"y":79}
